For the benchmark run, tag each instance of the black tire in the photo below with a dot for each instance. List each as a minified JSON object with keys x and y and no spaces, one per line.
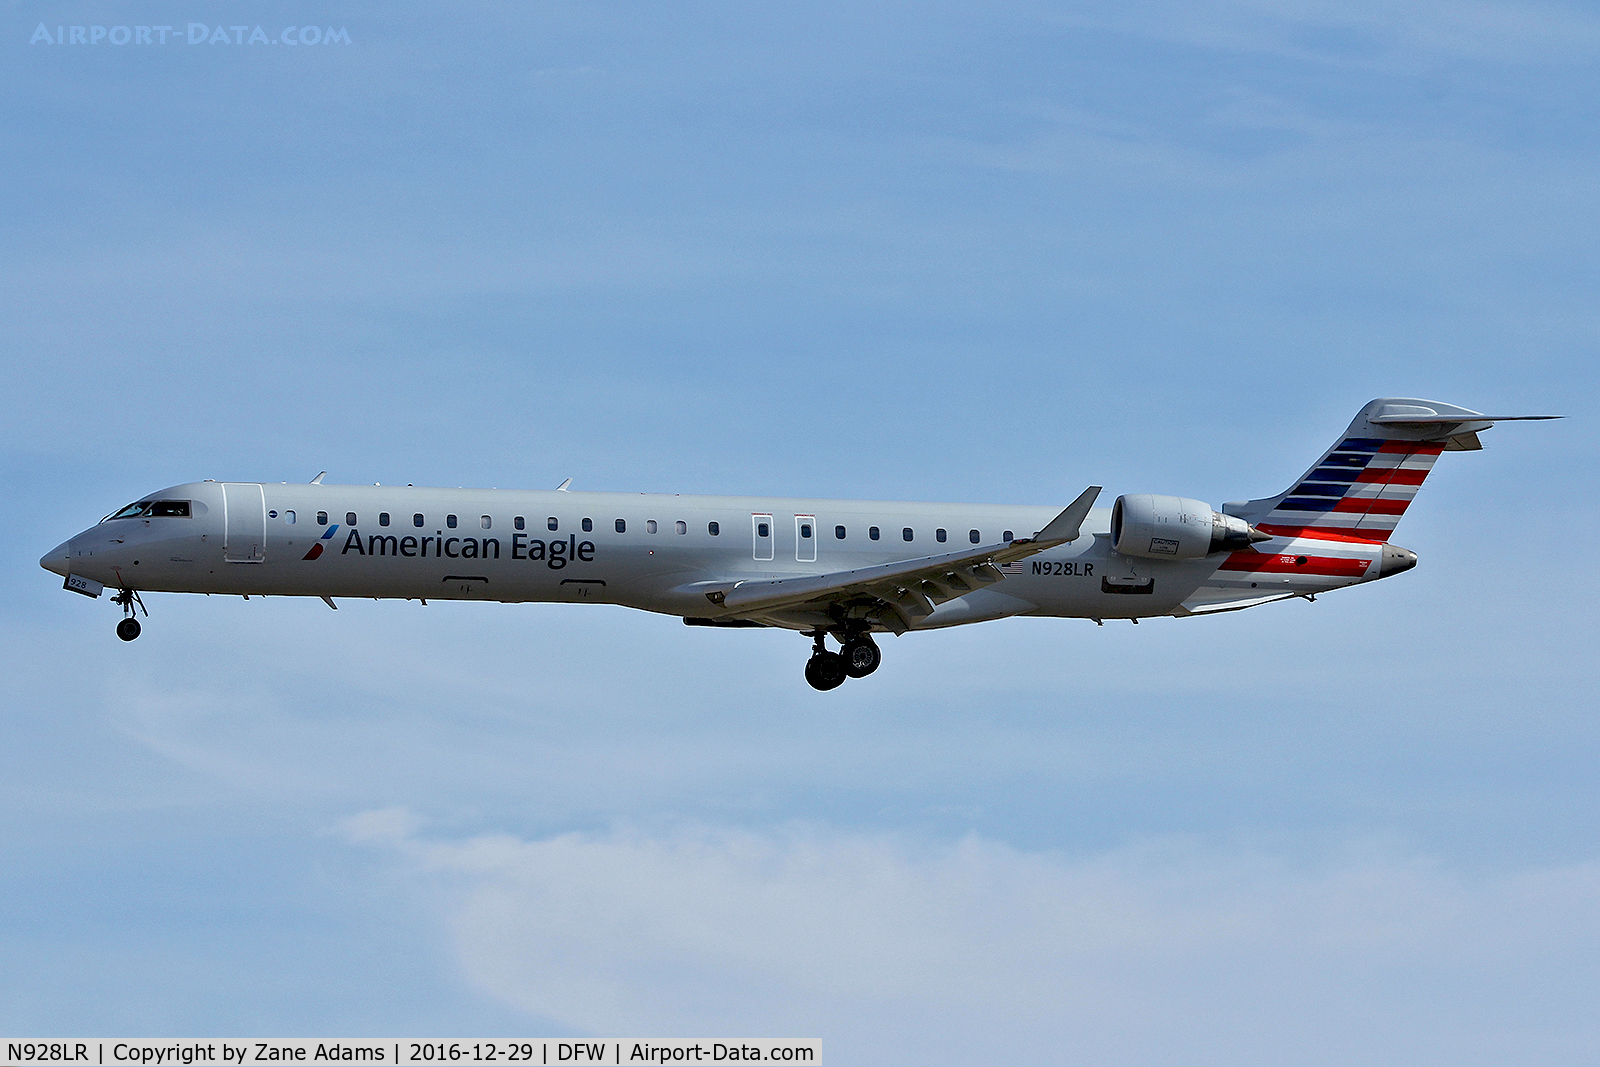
{"x":825,"y":671}
{"x":128,"y":629}
{"x":861,"y":657}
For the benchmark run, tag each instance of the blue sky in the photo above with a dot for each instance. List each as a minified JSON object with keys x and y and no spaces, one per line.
{"x":870,"y":250}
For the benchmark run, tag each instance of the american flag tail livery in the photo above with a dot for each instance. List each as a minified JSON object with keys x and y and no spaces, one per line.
{"x":1362,"y":485}
{"x":1332,"y":527}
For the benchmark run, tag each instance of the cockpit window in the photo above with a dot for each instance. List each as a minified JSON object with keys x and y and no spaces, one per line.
{"x":152,"y":508}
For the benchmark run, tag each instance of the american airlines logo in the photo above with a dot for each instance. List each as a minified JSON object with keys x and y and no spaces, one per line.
{"x":316,"y":549}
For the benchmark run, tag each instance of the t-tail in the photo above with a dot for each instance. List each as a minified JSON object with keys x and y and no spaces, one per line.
{"x":1361,"y":486}
{"x":1331,"y":528}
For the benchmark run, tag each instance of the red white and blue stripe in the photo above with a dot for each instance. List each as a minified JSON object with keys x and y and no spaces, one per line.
{"x":1357,"y":492}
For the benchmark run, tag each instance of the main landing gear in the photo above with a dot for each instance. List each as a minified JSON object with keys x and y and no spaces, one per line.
{"x":129,"y":627}
{"x":858,"y":656}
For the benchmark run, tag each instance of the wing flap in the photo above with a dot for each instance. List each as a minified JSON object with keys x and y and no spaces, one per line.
{"x":912,"y":588}
{"x":783,"y":592}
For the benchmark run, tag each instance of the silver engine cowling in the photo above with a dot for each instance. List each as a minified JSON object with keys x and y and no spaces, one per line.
{"x":1174,"y":527}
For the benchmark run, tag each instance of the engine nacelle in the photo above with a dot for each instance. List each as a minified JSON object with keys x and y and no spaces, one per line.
{"x":1174,"y":527}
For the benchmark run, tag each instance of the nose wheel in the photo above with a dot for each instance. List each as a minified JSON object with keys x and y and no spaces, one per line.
{"x":128,"y":600}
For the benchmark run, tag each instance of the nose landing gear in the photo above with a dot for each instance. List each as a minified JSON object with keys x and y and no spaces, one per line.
{"x":857,"y":657}
{"x":129,"y":627}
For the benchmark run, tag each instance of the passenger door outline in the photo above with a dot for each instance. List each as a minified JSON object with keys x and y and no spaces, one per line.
{"x":761,"y":547}
{"x":805,"y":545}
{"x":244,"y":522}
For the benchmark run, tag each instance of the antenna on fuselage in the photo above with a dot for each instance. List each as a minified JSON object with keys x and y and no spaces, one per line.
{"x":318,"y":479}
{"x":562,"y":488}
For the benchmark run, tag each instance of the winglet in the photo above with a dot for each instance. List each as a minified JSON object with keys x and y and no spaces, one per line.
{"x":318,"y":479}
{"x":562,"y":488}
{"x":1065,"y":526}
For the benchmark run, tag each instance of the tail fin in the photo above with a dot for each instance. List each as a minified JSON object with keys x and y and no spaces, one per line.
{"x":1362,"y":485}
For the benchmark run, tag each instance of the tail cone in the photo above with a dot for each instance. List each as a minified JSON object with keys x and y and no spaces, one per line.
{"x":1395,"y":559}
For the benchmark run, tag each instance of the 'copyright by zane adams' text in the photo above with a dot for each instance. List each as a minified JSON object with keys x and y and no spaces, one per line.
{"x":193,"y":33}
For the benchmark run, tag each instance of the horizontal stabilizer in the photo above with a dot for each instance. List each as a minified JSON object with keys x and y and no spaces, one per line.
{"x":1434,"y":420}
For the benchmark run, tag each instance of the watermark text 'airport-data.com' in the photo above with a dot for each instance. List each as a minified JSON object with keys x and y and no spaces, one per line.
{"x":195,"y":33}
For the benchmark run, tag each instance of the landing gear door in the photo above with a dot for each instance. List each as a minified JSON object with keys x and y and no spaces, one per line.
{"x":244,"y":522}
{"x":761,"y":536}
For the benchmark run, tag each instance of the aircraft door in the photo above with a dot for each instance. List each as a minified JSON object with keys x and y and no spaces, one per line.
{"x":805,"y":538}
{"x":761,"y":536}
{"x":244,"y":522}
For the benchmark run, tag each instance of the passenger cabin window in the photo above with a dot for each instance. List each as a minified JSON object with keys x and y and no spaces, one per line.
{"x":416,"y":520}
{"x":588,"y":525}
{"x":972,"y":535}
{"x":805,"y":531}
{"x":450,"y":521}
{"x":938,"y":535}
{"x":288,"y":517}
{"x":650,"y":526}
{"x":622,"y":526}
{"x":872,"y":532}
{"x":763,"y":530}
{"x":322,"y":518}
{"x":1007,"y":536}
{"x":552,"y":524}
{"x":177,"y":509}
{"x":484,"y":522}
{"x":350,"y":518}
{"x":713,"y":529}
{"x":681,"y":526}
{"x":519,"y":523}
{"x":838,"y":531}
{"x":383,"y":518}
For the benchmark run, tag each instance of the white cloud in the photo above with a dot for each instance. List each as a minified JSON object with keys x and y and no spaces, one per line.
{"x":880,"y":945}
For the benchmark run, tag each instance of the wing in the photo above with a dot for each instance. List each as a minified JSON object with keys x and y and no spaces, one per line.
{"x":896,"y":594}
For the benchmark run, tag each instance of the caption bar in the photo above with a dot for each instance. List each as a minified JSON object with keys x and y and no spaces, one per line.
{"x":394,"y":1053}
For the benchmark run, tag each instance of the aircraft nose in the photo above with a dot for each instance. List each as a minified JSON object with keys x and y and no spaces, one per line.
{"x":58,"y":558}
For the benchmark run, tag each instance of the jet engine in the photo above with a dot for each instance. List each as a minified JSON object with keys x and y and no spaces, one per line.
{"x":1173,"y":527}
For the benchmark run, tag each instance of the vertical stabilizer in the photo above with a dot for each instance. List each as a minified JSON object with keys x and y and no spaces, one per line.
{"x":1363,"y":484}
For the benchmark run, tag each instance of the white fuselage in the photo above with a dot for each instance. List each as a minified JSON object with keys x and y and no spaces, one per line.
{"x":647,"y":551}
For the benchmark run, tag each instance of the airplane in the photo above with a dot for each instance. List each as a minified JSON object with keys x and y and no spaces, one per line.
{"x":848,"y":569}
